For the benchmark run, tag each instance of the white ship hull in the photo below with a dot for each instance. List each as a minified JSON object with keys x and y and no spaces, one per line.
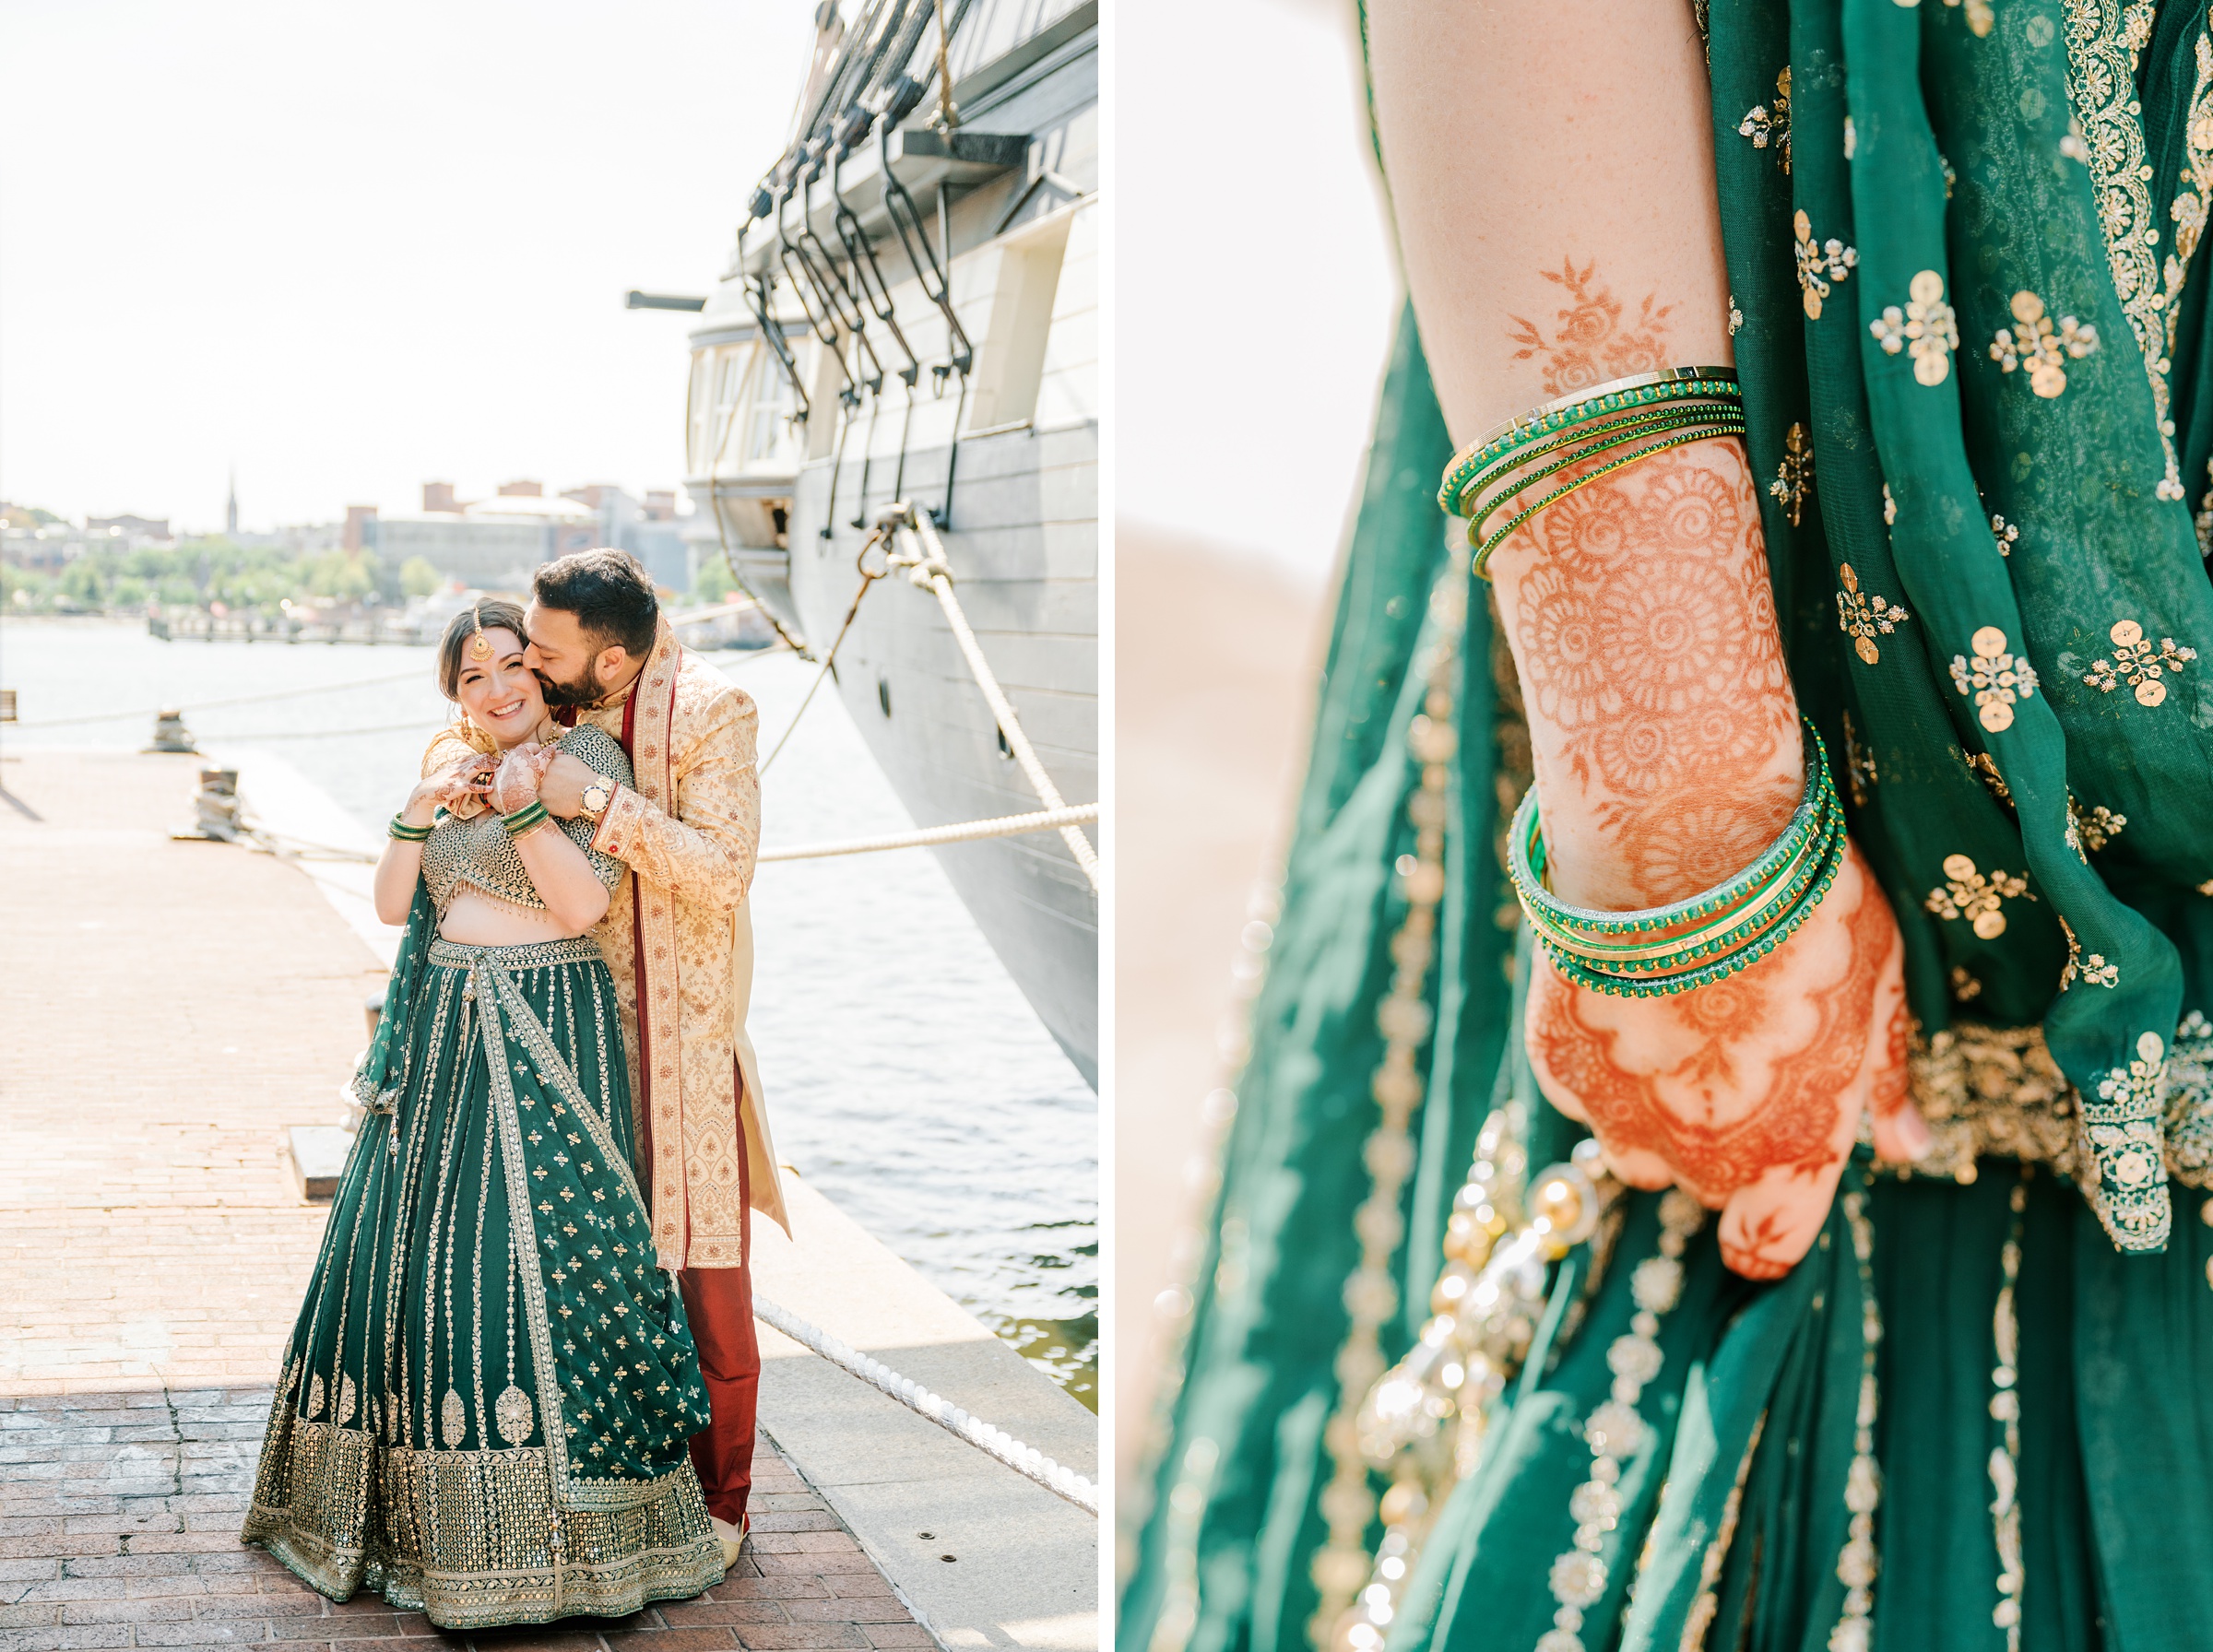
{"x":1004,"y":455}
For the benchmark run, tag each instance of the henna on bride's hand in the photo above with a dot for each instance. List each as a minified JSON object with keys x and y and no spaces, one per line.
{"x":1694,"y":1113}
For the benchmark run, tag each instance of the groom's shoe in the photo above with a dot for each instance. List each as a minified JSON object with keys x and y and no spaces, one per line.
{"x":733,"y":1539}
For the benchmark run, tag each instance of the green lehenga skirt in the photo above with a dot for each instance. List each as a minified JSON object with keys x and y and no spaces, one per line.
{"x":487,"y":1400}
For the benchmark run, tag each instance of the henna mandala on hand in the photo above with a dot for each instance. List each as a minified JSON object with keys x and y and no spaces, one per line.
{"x":1591,"y":345}
{"x":1645,"y":629}
{"x":1705,"y":1108}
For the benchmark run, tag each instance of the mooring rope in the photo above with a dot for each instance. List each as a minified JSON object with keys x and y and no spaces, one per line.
{"x":1026,"y":1461}
{"x":925,"y":552}
{"x":1050,"y":819}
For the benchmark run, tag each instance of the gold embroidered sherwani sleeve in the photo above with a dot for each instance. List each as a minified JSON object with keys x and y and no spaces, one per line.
{"x":704,"y":850}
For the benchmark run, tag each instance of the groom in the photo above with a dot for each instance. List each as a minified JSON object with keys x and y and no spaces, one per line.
{"x":678,"y":937}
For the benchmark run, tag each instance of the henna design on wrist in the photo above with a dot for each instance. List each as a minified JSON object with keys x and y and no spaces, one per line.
{"x":1694,"y":1114}
{"x":1644,"y":627}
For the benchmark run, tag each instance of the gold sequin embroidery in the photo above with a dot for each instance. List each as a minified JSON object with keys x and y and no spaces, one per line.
{"x":1994,"y":677}
{"x":2136,"y":663}
{"x":2092,"y":828}
{"x":1969,"y":894}
{"x":1861,"y":615}
{"x":1983,"y":767}
{"x":1859,"y":764}
{"x":2092,"y":969}
{"x":1764,"y":126}
{"x":1927,"y":328}
{"x":2005,"y":1410}
{"x":1794,"y":476}
{"x":2103,"y":39}
{"x":2033,"y":344}
{"x":1820,"y":264}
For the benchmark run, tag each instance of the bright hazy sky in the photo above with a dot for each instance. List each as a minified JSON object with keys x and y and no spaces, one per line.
{"x":352,"y":246}
{"x":1253,"y":374}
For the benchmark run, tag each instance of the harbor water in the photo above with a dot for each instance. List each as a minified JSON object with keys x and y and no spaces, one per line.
{"x":907,"y":1078}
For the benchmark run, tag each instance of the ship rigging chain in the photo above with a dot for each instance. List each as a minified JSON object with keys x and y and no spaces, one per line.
{"x":879,"y":538}
{"x":1026,"y":1461}
{"x":922,"y":550}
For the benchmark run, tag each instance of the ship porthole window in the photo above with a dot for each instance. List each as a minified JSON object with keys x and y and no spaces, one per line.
{"x":884,"y":695}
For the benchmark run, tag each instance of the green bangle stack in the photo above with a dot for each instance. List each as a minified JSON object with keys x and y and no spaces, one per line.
{"x":529,"y":818}
{"x":407,"y":833}
{"x":1673,"y":408}
{"x":1673,"y":949}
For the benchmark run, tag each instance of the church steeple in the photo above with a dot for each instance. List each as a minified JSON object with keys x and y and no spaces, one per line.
{"x":230,"y":511}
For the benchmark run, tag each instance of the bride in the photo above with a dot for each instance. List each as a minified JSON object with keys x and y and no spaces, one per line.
{"x":487,"y":1399}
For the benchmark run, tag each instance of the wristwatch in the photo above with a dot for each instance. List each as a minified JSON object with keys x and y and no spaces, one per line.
{"x":598,"y":795}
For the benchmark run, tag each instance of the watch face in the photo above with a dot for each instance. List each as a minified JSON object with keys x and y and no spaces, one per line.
{"x":595,"y":797}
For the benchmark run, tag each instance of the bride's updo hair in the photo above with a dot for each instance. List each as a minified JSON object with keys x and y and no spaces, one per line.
{"x":493,"y":613}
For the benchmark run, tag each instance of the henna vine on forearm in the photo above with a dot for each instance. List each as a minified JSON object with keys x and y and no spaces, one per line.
{"x":1644,"y":627}
{"x":1590,"y":345}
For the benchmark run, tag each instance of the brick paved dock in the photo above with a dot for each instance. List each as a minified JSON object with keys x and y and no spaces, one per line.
{"x":168,"y":1008}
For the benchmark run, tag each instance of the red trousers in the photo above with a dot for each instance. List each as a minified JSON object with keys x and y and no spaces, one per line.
{"x":719,"y":1304}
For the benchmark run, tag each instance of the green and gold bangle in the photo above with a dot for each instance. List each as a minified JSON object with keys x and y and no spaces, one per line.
{"x":1646,"y":415}
{"x":1688,"y":943}
{"x":406,"y":833}
{"x":1729,"y":929}
{"x":529,"y":818}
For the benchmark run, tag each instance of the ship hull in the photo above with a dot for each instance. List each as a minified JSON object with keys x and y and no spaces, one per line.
{"x":1023,"y":542}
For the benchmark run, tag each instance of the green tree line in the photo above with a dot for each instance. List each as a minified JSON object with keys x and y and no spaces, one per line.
{"x":246,"y":579}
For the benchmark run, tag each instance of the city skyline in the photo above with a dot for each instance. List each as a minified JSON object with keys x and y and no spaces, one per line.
{"x":347,"y":251}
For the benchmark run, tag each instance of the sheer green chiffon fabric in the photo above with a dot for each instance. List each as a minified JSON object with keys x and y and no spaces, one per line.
{"x":488,"y":1398}
{"x":1999,"y":422}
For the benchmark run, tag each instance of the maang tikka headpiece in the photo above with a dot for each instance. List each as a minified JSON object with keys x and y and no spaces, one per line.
{"x":479,"y":649}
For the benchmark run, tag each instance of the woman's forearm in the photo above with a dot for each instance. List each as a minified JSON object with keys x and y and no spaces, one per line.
{"x":398,"y":868}
{"x":1553,"y":242}
{"x":563,"y":877}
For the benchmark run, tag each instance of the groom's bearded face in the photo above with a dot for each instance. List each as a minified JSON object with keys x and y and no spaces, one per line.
{"x":562,"y":658}
{"x":581,"y":692}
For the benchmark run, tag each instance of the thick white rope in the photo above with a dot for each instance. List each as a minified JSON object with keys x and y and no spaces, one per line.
{"x":1050,"y":819}
{"x":1026,"y":1461}
{"x":933,"y":574}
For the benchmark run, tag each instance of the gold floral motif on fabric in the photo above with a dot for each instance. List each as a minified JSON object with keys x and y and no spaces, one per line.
{"x":2191,"y":206}
{"x":2034,"y":345}
{"x":1764,"y":126}
{"x":1928,"y":328}
{"x":1995,"y":679}
{"x":2092,"y":828}
{"x":2103,"y":39}
{"x":1861,"y":615}
{"x":1981,"y":18}
{"x":1794,"y":476}
{"x":2136,"y":663}
{"x":2120,"y":1147}
{"x":1968,"y":894}
{"x":1821,"y":264}
{"x":2092,"y":969}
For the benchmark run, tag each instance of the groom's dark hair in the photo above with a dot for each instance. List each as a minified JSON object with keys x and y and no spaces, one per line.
{"x":609,"y":594}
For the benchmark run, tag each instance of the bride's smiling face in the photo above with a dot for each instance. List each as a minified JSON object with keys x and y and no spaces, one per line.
{"x":500,"y":694}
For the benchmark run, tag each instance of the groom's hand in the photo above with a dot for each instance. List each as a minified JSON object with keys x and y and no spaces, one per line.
{"x":562,"y":791}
